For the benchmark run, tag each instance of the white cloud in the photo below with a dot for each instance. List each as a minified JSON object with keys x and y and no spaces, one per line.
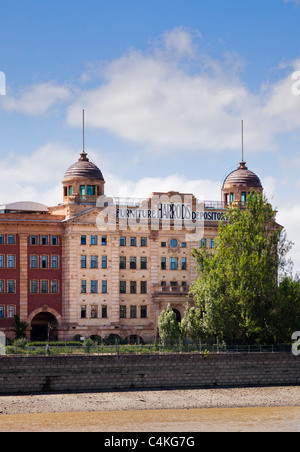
{"x":176,"y":98}
{"x":36,"y":99}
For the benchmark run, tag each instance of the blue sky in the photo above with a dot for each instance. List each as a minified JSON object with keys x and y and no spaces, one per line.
{"x":164,"y":85}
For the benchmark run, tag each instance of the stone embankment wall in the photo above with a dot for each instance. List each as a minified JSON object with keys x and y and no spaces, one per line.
{"x":50,"y":374}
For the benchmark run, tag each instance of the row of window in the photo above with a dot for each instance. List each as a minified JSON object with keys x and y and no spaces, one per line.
{"x":93,"y":287}
{"x":95,"y":314}
{"x":93,"y":240}
{"x":232,"y":198}
{"x":133,"y":287}
{"x":93,"y":261}
{"x":34,"y":240}
{"x":85,"y":190}
{"x":44,"y":262}
{"x":44,"y":240}
{"x":10,"y":240}
{"x":8,"y":286}
{"x":204,"y":243}
{"x":43,"y":286}
{"x":10,"y":261}
{"x":10,"y":313}
{"x":175,"y":263}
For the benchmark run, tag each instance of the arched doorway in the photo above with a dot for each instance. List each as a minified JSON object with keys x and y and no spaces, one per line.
{"x":43,"y":327}
{"x":178,"y":315}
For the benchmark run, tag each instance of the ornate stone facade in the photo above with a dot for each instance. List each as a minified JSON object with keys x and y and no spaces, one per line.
{"x":96,"y":266}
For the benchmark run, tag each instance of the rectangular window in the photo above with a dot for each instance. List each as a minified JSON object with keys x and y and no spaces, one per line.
{"x":1,"y":286}
{"x":94,"y":286}
{"x":54,"y":287}
{"x":94,"y":261}
{"x":104,"y":240}
{"x":1,"y":261}
{"x":104,"y":261}
{"x":143,"y":287}
{"x":1,"y":312}
{"x":11,"y":286}
{"x":94,"y":311}
{"x":122,"y":241}
{"x":83,"y":262}
{"x":183,"y":263}
{"x":44,"y":261}
{"x":122,"y":312}
{"x":94,"y":240}
{"x":82,"y":190}
{"x":1,"y":239}
{"x":104,"y":312}
{"x":10,"y":261}
{"x":54,"y":240}
{"x":163,"y":264}
{"x":34,"y":288}
{"x":132,"y":286}
{"x":91,"y":191}
{"x":122,"y":263}
{"x":54,"y":261}
{"x":33,"y":240}
{"x":133,"y":312}
{"x":132,"y":241}
{"x":44,"y":287}
{"x":173,"y":263}
{"x":163,"y":244}
{"x":231,"y":197}
{"x":144,"y":313}
{"x":244,"y":197}
{"x":10,"y":239}
{"x":183,"y":245}
{"x":143,"y":241}
{"x":70,"y":191}
{"x":143,"y":263}
{"x":44,"y":240}
{"x":212,"y":243}
{"x":203,"y":243}
{"x":133,"y":263}
{"x":11,"y":311}
{"x":104,"y":286}
{"x":83,"y":286}
{"x":122,"y":286}
{"x":83,"y":312}
{"x":83,"y":240}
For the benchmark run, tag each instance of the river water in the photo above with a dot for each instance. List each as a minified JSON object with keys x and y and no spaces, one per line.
{"x":284,"y":419}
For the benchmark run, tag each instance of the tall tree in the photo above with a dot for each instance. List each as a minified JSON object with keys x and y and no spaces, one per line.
{"x":237,"y":284}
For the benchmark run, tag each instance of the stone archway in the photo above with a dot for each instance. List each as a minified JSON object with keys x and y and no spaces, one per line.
{"x":44,"y":325}
{"x":178,"y":315}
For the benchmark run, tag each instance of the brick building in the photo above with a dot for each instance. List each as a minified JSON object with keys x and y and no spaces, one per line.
{"x":99,"y":266}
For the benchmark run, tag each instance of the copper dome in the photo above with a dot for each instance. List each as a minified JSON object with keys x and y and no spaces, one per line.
{"x":84,"y":169}
{"x":242,"y":177}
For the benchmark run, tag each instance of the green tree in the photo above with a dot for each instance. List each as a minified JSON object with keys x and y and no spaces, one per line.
{"x":20,"y":328}
{"x":168,"y":327}
{"x":286,"y":312}
{"x":191,"y":325}
{"x":237,"y":285}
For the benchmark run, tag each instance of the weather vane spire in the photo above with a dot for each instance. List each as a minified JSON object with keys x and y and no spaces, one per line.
{"x":83,"y":144}
{"x":242,"y":140}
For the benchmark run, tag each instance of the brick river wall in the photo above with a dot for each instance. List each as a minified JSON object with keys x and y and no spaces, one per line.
{"x":50,"y":374}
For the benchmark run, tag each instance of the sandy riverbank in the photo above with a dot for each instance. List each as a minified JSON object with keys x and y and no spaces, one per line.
{"x":151,"y":400}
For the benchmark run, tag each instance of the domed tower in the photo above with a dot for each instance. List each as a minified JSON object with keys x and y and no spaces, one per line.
{"x":83,"y":182}
{"x":239,"y":184}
